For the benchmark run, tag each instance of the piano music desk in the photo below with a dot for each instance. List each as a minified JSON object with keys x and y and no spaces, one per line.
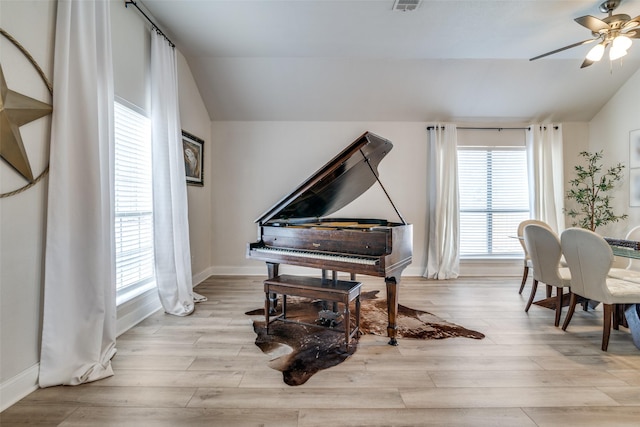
{"x":341,"y":291}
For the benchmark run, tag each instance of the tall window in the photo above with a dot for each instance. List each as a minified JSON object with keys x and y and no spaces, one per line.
{"x":133,"y":203}
{"x":494,"y":199}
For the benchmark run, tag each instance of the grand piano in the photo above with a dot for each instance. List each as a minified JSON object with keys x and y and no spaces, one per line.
{"x":295,"y":231}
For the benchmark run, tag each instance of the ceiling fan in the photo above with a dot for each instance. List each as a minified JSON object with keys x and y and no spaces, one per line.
{"x":614,"y":31}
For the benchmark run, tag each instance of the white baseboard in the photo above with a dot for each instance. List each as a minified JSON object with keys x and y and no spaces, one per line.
{"x":139,"y":308}
{"x":136,"y":310}
{"x":129,"y":314}
{"x":490,"y":268}
{"x":19,"y":386}
{"x":200,"y":277}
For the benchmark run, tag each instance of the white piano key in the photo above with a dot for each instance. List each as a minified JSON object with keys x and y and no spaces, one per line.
{"x":318,"y":255}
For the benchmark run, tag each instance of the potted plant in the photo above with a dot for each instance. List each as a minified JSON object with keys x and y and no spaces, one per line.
{"x":590,"y":191}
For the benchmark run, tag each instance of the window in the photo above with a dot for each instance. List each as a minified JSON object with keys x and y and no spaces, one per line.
{"x":494,"y":199}
{"x":133,"y":204}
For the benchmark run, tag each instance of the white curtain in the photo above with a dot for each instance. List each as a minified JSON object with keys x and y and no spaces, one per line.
{"x":170,"y":211}
{"x":545,"y":162}
{"x":443,"y":251}
{"x":78,"y":333}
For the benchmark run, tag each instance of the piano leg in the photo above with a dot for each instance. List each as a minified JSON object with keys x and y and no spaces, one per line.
{"x":324,"y":280}
{"x":392,"y":308}
{"x":329,"y":316}
{"x":272,"y":271}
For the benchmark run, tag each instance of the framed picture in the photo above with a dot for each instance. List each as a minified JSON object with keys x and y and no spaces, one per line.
{"x":634,"y":149}
{"x":634,"y":187}
{"x":192,"y":148}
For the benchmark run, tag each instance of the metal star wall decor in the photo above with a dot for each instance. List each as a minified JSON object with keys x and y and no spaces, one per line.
{"x":17,"y":110}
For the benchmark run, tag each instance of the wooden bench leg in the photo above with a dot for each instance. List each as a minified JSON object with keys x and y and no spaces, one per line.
{"x":336,"y":293}
{"x":358,"y":316}
{"x":266,"y":311}
{"x":347,"y":324}
{"x":349,"y":333}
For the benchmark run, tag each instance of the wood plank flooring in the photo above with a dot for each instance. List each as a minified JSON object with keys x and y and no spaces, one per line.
{"x":204,"y":370}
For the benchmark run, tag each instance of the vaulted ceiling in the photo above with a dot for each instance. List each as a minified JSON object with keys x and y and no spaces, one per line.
{"x":359,"y":60}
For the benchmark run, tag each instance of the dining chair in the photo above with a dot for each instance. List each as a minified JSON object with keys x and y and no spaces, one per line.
{"x":545,"y":251}
{"x":630,"y":270}
{"x":590,"y":257}
{"x":527,"y":258}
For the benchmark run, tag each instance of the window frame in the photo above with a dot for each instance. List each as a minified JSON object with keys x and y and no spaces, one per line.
{"x":130,"y":291}
{"x":489,"y":210}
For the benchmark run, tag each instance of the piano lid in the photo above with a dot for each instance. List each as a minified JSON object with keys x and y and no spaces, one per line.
{"x":343,"y":179}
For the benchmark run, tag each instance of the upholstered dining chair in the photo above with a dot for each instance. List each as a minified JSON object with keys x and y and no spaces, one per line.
{"x":527,"y":259}
{"x":590,"y":257}
{"x":631,"y":269}
{"x":545,"y":251}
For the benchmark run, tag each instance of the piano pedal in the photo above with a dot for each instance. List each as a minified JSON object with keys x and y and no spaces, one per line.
{"x":329,"y":318}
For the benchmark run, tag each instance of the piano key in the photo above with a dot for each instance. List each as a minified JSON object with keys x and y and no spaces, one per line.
{"x":318,"y":255}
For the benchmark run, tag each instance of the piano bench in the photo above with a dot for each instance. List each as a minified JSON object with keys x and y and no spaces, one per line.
{"x":339,"y":291}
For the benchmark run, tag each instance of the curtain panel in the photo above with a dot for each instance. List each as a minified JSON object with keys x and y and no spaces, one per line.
{"x":443,"y":250}
{"x":79,"y":318}
{"x":546,"y":174}
{"x":170,"y":210}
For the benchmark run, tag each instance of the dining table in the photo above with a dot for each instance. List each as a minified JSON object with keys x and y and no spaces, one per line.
{"x":629,"y":314}
{"x":625,"y":252}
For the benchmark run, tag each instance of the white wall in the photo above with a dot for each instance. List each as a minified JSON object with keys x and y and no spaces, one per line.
{"x":609,"y":131}
{"x":22,"y":217}
{"x":575,"y":139}
{"x":194,"y":119}
{"x":257,"y":163}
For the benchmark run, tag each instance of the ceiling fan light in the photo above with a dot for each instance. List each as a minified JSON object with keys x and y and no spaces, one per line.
{"x":616,"y":53}
{"x":621,"y":42}
{"x":596,"y":52}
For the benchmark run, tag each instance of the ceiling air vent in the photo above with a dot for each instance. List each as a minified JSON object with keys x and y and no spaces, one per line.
{"x":406,"y":5}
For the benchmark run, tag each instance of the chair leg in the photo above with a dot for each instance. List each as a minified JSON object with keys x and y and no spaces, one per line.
{"x":549,"y":291}
{"x":618,"y":316}
{"x":559,"y":295}
{"x":572,"y":307}
{"x":525,"y":274}
{"x":606,"y":327}
{"x":534,"y":288}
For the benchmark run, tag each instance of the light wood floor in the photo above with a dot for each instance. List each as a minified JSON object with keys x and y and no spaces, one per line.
{"x":204,"y":370}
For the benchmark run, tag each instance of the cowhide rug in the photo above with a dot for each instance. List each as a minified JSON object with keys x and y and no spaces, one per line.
{"x":299,"y":350}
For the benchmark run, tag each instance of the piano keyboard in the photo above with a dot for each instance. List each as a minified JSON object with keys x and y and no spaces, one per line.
{"x":319,"y":255}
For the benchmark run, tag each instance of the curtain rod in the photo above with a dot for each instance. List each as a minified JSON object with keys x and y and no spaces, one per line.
{"x":489,"y":128}
{"x":158,"y":30}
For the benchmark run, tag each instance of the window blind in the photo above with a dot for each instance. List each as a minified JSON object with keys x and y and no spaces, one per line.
{"x":494,"y":199}
{"x":133,"y":201}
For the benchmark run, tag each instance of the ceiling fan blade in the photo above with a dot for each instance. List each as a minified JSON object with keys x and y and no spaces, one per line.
{"x":565,"y":48}
{"x":593,"y":23}
{"x":632,"y":23}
